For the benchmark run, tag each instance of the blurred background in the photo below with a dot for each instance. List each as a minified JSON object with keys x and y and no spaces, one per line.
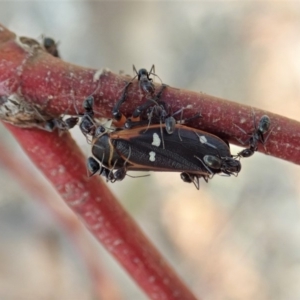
{"x":236,"y":238}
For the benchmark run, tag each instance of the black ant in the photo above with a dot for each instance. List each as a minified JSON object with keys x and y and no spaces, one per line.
{"x":60,"y":124}
{"x":51,"y":46}
{"x":193,"y":178}
{"x":145,"y":81}
{"x":257,"y":136}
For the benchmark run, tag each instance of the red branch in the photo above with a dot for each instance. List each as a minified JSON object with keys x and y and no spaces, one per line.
{"x":103,"y":285}
{"x":56,"y":87}
{"x":63,"y":164}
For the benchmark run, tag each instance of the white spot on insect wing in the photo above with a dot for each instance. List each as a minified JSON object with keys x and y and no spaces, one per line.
{"x":202,"y":139}
{"x":152,"y":156}
{"x":156,"y":140}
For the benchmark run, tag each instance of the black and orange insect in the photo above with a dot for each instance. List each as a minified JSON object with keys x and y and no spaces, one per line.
{"x":193,"y":153}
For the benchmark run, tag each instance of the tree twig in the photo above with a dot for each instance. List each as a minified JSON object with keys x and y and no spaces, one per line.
{"x":55,"y":87}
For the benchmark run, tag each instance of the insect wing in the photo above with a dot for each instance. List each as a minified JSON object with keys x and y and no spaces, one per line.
{"x":143,"y":148}
{"x":198,"y":142}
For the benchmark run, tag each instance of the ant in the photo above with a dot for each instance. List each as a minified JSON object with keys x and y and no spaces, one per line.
{"x":257,"y":136}
{"x":60,"y":124}
{"x":144,"y":79}
{"x":227,"y":165}
{"x":51,"y":46}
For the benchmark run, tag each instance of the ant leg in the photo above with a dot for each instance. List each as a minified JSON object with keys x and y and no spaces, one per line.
{"x":243,"y":143}
{"x":241,"y":129}
{"x":186,"y":120}
{"x":129,"y":124}
{"x":191,"y":178}
{"x":208,"y":176}
{"x":196,"y":116}
{"x":264,"y":140}
{"x":135,"y":70}
{"x":158,"y":95}
{"x":254,"y":119}
{"x":140,"y":109}
{"x":152,"y":70}
{"x":117,"y":115}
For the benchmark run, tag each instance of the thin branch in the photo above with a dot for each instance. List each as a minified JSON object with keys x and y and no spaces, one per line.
{"x":56,"y":87}
{"x":63,"y":164}
{"x":104,"y":287}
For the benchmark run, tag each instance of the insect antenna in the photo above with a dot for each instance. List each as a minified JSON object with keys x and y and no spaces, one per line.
{"x":139,"y":176}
